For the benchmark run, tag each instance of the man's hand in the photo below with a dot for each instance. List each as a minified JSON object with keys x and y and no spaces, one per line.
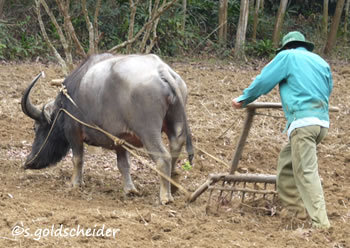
{"x":237,"y":105}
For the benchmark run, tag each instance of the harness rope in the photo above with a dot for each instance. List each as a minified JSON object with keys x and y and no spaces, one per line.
{"x":47,"y":137}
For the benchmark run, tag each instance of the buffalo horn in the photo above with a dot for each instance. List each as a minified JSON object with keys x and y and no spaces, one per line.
{"x":27,"y":107}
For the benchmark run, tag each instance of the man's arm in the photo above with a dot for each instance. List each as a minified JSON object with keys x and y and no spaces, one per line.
{"x":271,"y":75}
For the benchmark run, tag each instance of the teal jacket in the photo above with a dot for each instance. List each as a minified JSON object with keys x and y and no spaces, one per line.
{"x":305,"y":84}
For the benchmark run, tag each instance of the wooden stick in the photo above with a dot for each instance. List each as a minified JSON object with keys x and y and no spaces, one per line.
{"x":213,"y":178}
{"x":211,"y":156}
{"x":57,"y":82}
{"x":255,"y":105}
{"x":249,"y":178}
{"x":245,"y":190}
{"x":242,"y":139}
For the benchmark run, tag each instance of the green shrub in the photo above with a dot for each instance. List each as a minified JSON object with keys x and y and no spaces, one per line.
{"x":16,"y":43}
{"x":260,"y":49}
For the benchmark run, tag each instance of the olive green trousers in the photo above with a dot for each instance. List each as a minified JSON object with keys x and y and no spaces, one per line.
{"x":298,"y":182}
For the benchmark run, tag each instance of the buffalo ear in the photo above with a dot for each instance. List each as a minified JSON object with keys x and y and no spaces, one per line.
{"x":48,"y":110}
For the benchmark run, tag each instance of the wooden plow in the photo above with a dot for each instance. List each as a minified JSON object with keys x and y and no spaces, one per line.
{"x":246,"y":187}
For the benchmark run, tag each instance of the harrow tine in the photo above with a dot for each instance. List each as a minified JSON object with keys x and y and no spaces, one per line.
{"x":231,"y":194}
{"x":208,"y":203}
{"x":247,"y":187}
{"x":255,"y":187}
{"x":265,"y":186}
{"x":243,"y":192}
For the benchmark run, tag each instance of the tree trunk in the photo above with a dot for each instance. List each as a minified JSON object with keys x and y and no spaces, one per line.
{"x":165,"y":6}
{"x":133,"y":6}
{"x":68,"y":26}
{"x":332,"y":36}
{"x":325,"y":19}
{"x":61,"y":61}
{"x":256,"y":19}
{"x":184,"y":9}
{"x":242,"y":28}
{"x":97,"y":35}
{"x":262,"y":5}
{"x":2,"y":3}
{"x":89,"y":27}
{"x":279,"y":22}
{"x":152,"y":9}
{"x":346,"y":19}
{"x":223,"y":21}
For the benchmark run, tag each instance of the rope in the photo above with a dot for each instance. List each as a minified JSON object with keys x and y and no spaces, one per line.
{"x":64,"y":91}
{"x":47,"y":137}
{"x":216,"y":159}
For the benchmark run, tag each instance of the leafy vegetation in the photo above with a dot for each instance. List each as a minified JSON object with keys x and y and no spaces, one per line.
{"x":20,"y":36}
{"x":186,"y":166}
{"x":15,"y":43}
{"x":261,"y":48}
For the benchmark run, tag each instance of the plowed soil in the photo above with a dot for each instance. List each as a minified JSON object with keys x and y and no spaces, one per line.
{"x":39,"y":209}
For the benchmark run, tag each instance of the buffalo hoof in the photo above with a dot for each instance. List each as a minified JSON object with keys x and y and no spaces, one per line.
{"x":77,"y":183}
{"x":132,"y":192}
{"x":166,"y":200}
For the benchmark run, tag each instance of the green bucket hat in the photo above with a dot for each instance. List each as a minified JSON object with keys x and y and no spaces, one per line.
{"x":295,"y":36}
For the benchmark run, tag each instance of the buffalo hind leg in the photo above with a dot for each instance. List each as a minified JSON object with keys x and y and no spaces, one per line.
{"x":162,"y":158}
{"x":124,"y":168}
{"x":177,"y":139}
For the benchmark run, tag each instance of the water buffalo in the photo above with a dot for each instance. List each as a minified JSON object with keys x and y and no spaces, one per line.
{"x":134,"y":97}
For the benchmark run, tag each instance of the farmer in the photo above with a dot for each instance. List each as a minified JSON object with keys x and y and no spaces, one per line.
{"x":305,"y":84}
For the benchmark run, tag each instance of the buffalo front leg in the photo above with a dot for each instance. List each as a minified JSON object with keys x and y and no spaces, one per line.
{"x":75,"y":140}
{"x":124,"y":168}
{"x":77,"y":177}
{"x":78,"y":153}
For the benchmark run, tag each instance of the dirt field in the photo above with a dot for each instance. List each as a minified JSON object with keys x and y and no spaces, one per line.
{"x":38,"y":208}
